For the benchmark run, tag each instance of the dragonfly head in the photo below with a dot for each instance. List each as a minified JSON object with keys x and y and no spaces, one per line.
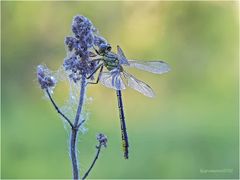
{"x":104,"y":48}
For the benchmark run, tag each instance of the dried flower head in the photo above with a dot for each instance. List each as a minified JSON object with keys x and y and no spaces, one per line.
{"x":83,"y":30}
{"x":45,"y":78}
{"x":82,"y":27}
{"x":102,"y":139}
{"x":79,"y":63}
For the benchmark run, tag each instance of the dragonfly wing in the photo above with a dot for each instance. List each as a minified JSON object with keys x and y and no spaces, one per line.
{"x":122,"y":58}
{"x":112,"y":80}
{"x":157,"y":67}
{"x":138,"y":85}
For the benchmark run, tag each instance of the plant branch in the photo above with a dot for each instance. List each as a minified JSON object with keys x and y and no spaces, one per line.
{"x":74,"y":131}
{"x":80,"y":124}
{"x":94,"y":161}
{"x":58,"y":110}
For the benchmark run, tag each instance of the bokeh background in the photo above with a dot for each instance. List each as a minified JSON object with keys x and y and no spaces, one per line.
{"x":191,"y":127}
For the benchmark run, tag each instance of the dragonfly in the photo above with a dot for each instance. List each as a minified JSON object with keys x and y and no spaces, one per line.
{"x":117,"y":78}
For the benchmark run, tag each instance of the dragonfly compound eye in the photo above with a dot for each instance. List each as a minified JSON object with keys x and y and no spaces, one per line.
{"x":109,"y":48}
{"x":103,"y":48}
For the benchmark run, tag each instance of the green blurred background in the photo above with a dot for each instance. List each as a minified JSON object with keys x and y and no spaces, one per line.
{"x":191,"y":125}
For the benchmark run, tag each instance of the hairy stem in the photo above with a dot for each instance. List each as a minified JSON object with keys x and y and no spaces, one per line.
{"x":73,"y":153}
{"x":81,"y":100}
{"x":74,"y":131}
{"x":94,"y":161}
{"x":58,"y":110}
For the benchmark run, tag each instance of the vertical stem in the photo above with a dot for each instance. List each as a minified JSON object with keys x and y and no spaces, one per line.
{"x":81,"y":100}
{"x":73,"y":153}
{"x":74,"y":131}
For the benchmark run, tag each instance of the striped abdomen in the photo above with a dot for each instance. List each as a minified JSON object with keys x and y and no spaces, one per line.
{"x":123,"y":125}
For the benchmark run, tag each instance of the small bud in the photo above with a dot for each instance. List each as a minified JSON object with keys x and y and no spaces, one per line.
{"x":71,"y":42}
{"x":102,"y":139}
{"x":45,"y":79}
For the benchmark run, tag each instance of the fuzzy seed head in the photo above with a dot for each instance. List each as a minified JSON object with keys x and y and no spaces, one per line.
{"x":102,"y":139}
{"x":45,"y":79}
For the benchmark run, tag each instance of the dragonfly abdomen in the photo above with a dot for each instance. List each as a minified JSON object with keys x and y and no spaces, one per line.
{"x":125,"y":144}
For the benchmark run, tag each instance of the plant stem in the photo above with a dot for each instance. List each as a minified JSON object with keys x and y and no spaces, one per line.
{"x":58,"y":110}
{"x":73,"y":153}
{"x":94,"y":161}
{"x":81,"y":100}
{"x":74,"y":131}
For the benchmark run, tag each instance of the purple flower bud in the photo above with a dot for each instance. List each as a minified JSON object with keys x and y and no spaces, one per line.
{"x":76,"y":67}
{"x":45,"y":79}
{"x":102,"y":139}
{"x":84,"y":30}
{"x":71,"y":42}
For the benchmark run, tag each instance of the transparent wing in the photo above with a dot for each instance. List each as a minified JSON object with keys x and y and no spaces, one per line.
{"x":157,"y":67}
{"x":112,"y":79}
{"x":138,"y":85}
{"x":122,"y":58}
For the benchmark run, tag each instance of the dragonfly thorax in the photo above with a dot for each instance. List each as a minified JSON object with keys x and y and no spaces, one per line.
{"x":110,"y":61}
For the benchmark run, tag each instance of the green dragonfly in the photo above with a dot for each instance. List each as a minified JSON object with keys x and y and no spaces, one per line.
{"x":117,"y":78}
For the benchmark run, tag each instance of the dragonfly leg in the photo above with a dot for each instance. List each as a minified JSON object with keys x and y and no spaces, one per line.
{"x":96,"y":50}
{"x":99,"y":66}
{"x":97,"y":59}
{"x":100,"y":72}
